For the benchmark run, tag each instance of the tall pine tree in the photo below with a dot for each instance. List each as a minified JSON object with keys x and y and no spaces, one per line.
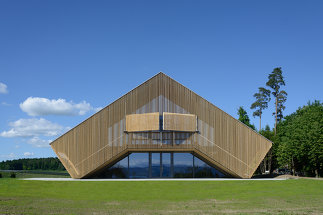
{"x":275,"y":82}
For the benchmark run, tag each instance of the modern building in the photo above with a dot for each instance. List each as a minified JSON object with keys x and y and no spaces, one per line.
{"x":161,"y":129}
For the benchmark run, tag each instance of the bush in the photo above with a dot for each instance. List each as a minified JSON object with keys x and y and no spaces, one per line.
{"x":0,"y":175}
{"x":12,"y":175}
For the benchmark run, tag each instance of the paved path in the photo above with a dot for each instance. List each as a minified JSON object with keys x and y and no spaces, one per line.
{"x":157,"y":179}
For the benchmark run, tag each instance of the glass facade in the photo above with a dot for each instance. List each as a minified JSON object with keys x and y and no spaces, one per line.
{"x":166,"y":164}
{"x":138,"y":165}
{"x":183,"y":165}
{"x":160,"y":165}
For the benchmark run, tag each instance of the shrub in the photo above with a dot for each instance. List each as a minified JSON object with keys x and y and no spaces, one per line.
{"x":12,"y":175}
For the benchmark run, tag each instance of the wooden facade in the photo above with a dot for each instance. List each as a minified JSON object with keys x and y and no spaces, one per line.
{"x":218,"y":138}
{"x":142,"y":122}
{"x":179,"y":122}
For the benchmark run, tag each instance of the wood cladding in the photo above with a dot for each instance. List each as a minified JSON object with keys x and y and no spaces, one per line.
{"x":142,"y":122}
{"x":179,"y":122}
{"x":170,"y":122}
{"x":221,"y":140}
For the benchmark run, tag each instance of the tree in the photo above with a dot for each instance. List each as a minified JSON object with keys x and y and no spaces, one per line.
{"x":267,"y":132}
{"x":32,"y":164}
{"x":300,"y":140}
{"x":270,"y":160}
{"x":261,"y":103}
{"x":244,"y":118}
{"x":264,"y":165}
{"x":275,"y":81}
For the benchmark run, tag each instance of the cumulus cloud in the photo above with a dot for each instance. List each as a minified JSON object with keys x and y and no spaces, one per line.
{"x":39,"y":143}
{"x":3,"y":88}
{"x":28,"y":154}
{"x":36,"y":106}
{"x":31,"y":128}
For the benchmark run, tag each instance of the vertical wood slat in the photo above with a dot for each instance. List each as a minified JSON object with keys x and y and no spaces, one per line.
{"x":142,"y":122}
{"x":100,"y":139}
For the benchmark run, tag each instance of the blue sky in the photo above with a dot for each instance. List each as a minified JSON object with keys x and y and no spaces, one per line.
{"x":60,"y":61}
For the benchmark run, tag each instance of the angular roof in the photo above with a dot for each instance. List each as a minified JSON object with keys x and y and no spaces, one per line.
{"x":101,"y":140}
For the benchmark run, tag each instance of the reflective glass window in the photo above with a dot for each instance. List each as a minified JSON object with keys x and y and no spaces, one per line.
{"x":183,"y":165}
{"x":166,"y":165}
{"x":138,"y":165}
{"x":203,"y":170}
{"x":155,"y":165}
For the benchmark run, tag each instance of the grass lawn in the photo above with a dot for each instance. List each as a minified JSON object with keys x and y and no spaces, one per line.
{"x":300,"y":196}
{"x":34,"y":174}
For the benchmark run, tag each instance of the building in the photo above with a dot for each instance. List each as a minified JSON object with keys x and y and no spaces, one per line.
{"x":161,"y":129}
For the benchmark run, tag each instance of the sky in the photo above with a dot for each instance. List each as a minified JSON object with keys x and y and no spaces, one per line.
{"x":61,"y":61}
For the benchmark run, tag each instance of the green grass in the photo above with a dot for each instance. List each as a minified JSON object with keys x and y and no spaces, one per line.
{"x":35,"y":174}
{"x":161,"y":197}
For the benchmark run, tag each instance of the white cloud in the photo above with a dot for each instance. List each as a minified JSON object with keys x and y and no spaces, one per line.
{"x":31,"y":128}
{"x":36,"y":106}
{"x":3,"y":88}
{"x":98,"y":109}
{"x":39,"y":143}
{"x":8,"y":156}
{"x":28,"y":154}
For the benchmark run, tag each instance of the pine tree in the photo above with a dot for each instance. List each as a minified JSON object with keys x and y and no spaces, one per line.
{"x":261,"y":103}
{"x":275,"y":81}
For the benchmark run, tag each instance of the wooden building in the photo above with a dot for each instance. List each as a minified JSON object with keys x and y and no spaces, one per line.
{"x":161,"y":115}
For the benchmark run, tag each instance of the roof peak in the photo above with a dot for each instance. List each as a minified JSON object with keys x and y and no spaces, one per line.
{"x":163,"y":74}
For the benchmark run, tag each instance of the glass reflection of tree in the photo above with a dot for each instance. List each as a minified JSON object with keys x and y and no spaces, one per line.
{"x":203,"y":172}
{"x":187,"y":173}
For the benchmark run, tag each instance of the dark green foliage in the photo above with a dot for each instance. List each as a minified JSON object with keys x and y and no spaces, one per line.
{"x":300,"y":140}
{"x":13,"y":175}
{"x":0,"y":175}
{"x":276,"y":80}
{"x":268,"y":133}
{"x":262,"y":99}
{"x":32,"y":164}
{"x":261,"y":103}
{"x":281,"y":99}
{"x":244,"y":118}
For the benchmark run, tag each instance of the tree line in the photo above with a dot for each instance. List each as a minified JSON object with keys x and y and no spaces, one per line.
{"x":51,"y":163}
{"x":297,"y":138}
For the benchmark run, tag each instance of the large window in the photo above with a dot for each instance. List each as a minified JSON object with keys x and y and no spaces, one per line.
{"x":183,"y":165}
{"x":161,"y":165}
{"x":155,"y":165}
{"x":138,"y":165}
{"x":166,"y":165}
{"x":118,"y":170}
{"x":203,"y":170}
